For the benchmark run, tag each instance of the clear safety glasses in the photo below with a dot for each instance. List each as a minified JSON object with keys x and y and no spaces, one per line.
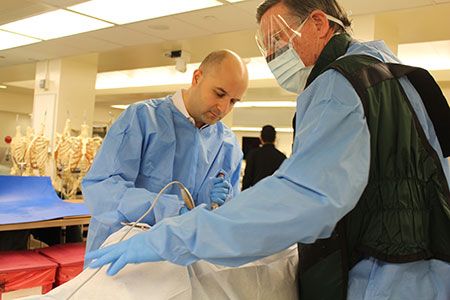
{"x":274,"y":34}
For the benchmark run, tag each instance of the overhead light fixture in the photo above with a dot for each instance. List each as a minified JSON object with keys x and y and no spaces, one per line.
{"x":157,"y":76}
{"x":120,"y":106}
{"x":3,"y":86}
{"x":428,"y":55}
{"x":10,"y":40}
{"x":55,"y":24}
{"x":128,"y":11}
{"x":258,"y":129}
{"x":242,"y":104}
{"x":168,"y":75}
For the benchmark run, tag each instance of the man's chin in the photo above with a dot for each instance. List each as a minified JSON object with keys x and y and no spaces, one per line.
{"x":211,"y":121}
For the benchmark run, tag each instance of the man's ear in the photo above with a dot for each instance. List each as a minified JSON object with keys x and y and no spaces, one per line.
{"x":321,"y":23}
{"x":196,"y":77}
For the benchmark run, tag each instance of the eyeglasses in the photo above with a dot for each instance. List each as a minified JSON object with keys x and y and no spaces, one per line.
{"x":275,"y":34}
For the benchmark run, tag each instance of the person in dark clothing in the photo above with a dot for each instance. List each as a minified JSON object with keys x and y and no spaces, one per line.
{"x":263,"y":161}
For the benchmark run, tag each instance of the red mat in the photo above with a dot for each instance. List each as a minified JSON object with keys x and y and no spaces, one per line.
{"x":25,"y":269}
{"x":70,"y":260}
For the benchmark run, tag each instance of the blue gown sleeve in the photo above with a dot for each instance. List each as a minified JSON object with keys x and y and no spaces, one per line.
{"x":109,"y":187}
{"x":313,"y":189}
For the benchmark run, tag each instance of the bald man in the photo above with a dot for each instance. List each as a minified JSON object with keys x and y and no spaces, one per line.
{"x":156,"y":141}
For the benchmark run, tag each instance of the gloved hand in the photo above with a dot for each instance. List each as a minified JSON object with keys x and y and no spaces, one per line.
{"x":220,"y":190}
{"x":134,"y":250}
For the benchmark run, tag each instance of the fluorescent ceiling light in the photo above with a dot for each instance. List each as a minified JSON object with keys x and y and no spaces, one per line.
{"x":429,"y":55}
{"x":144,"y":77}
{"x":3,"y":86}
{"x":266,"y":104}
{"x":120,"y":106}
{"x":258,"y":129}
{"x":167,"y":75}
{"x":55,"y":24}
{"x":11,"y":40}
{"x":127,"y":11}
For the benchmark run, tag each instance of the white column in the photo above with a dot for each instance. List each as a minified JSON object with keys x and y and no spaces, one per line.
{"x":64,"y":88}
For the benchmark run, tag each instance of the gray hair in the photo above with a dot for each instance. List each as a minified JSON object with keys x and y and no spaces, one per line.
{"x":302,"y":9}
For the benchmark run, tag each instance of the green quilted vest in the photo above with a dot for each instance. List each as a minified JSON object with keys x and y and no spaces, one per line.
{"x":404,"y":212}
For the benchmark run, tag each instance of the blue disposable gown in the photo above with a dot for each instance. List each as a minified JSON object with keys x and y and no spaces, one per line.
{"x":313,"y":189}
{"x":151,"y":144}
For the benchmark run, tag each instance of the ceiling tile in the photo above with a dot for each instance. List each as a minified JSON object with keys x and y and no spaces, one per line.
{"x":13,"y":10}
{"x":124,"y":36}
{"x":61,"y":3}
{"x":45,"y":50}
{"x":358,"y":7}
{"x":90,"y":44}
{"x":168,"y":28}
{"x":249,"y":7}
{"x":220,"y":19}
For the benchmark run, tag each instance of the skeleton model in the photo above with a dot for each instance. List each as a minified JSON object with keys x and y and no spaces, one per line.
{"x":18,"y":146}
{"x":73,"y":158}
{"x":36,"y":155}
{"x":63,"y":160}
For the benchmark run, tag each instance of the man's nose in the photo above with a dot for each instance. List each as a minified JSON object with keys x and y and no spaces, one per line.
{"x":222,"y":106}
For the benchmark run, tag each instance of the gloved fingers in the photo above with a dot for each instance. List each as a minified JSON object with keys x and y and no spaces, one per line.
{"x":219,"y":190}
{"x":216,"y":180}
{"x":219,"y":196}
{"x":224,"y":184}
{"x":105,"y":259}
{"x":117,"y":265}
{"x":99,"y":252}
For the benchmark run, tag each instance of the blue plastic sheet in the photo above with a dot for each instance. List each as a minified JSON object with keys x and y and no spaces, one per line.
{"x":30,"y":199}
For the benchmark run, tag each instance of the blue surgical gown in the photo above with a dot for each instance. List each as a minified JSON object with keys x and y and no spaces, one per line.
{"x":313,"y":189}
{"x":151,"y":144}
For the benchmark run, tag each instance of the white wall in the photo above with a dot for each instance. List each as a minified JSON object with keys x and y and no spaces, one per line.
{"x":11,"y":106}
{"x":16,"y":102}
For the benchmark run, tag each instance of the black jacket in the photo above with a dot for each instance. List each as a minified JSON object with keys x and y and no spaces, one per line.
{"x":260,"y":163}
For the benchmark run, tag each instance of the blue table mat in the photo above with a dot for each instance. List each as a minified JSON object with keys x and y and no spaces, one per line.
{"x":32,"y":198}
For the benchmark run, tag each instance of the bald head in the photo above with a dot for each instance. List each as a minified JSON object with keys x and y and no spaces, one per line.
{"x":224,"y":61}
{"x":219,"y":82}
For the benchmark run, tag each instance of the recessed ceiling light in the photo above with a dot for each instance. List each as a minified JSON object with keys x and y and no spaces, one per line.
{"x":128,"y":11}
{"x":11,"y":40}
{"x":55,"y":24}
{"x":3,"y":86}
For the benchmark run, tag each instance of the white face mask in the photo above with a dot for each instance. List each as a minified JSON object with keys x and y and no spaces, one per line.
{"x":290,"y":71}
{"x":287,"y":67}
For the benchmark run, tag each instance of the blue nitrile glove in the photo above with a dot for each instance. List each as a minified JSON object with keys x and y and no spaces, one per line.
{"x":183,"y":210}
{"x":134,"y":250}
{"x":220,"y":190}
